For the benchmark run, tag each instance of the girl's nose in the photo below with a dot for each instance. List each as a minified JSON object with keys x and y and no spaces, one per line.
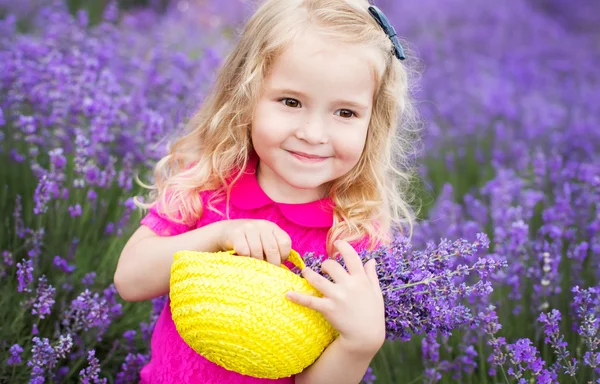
{"x":313,"y":130}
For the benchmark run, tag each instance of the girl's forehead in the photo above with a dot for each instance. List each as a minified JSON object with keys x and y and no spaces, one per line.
{"x":315,"y":61}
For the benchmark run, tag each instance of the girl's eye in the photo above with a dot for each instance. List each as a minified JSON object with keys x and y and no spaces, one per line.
{"x":346,"y":113}
{"x":293,"y":103}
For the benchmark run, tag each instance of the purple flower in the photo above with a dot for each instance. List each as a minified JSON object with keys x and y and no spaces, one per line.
{"x":75,"y":210}
{"x":431,"y":358}
{"x":25,"y":275}
{"x":62,"y":265}
{"x":88,"y":279}
{"x":85,"y":312}
{"x":44,"y":357}
{"x":369,"y":377}
{"x":423,"y":289}
{"x":90,"y":374}
{"x":15,"y":355}
{"x":92,"y":195}
{"x":18,"y":216}
{"x":44,"y":298}
{"x":129,"y":335}
{"x":57,"y":158}
{"x":7,"y":258}
{"x":34,"y":243}
{"x":556,"y":340}
{"x":64,"y":346}
{"x":131,"y":367}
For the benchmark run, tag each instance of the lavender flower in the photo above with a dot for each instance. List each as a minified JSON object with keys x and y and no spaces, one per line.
{"x":7,"y":258}
{"x":422,"y":292}
{"x":44,"y":358}
{"x":369,"y":377}
{"x":15,"y":355}
{"x":44,"y":298}
{"x":524,"y":356}
{"x":587,"y":308}
{"x":88,"y":279}
{"x":431,"y":358}
{"x":131,"y":367}
{"x":25,"y":275}
{"x":63,"y":265}
{"x":75,"y":210}
{"x":64,"y":346}
{"x":488,"y":321}
{"x":85,"y":312}
{"x":18,"y":216}
{"x":90,"y":374}
{"x":556,"y":340}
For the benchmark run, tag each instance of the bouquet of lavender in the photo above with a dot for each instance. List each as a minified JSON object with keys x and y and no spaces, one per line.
{"x":425,"y":290}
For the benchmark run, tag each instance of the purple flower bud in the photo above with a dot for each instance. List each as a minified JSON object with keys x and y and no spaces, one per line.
{"x":7,"y":258}
{"x":75,"y":211}
{"x":90,"y":374}
{"x":24,"y":275}
{"x":92,"y":195}
{"x":44,"y":357}
{"x":57,"y":158}
{"x":44,"y":298}
{"x":15,"y":355}
{"x":88,"y":279}
{"x":130,"y":368}
{"x":64,"y":346}
{"x":62,"y":265}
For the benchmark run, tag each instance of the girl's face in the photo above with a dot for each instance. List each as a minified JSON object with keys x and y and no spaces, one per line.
{"x":310,"y":124}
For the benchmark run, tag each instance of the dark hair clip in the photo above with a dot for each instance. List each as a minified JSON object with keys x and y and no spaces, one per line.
{"x":383,"y":21}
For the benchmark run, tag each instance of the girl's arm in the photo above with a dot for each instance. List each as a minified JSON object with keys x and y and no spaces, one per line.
{"x":144,"y":268}
{"x":338,"y":364}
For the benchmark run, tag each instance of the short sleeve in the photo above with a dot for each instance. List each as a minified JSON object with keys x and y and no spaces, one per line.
{"x":162,"y":225}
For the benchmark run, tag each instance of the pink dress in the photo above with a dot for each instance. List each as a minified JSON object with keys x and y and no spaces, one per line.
{"x":172,"y":360}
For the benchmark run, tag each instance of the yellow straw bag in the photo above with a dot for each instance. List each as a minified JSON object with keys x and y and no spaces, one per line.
{"x":233,"y":311}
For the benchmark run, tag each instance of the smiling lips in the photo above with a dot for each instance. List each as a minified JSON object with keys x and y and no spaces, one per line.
{"x":307,"y":157}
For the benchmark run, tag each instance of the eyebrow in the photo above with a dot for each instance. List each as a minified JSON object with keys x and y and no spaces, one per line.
{"x":350,"y":103}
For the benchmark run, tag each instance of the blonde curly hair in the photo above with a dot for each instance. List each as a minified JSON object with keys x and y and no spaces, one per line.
{"x":369,"y":200}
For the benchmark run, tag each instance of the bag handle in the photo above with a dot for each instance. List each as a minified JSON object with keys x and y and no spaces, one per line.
{"x":293,"y":258}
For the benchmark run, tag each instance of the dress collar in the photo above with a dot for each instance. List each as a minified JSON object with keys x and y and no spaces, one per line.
{"x":246,"y":193}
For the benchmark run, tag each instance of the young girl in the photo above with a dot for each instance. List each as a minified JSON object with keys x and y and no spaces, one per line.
{"x":295,"y":148}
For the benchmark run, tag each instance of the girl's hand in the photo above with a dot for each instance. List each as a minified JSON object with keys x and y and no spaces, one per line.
{"x":261,"y":239}
{"x":353,"y":303}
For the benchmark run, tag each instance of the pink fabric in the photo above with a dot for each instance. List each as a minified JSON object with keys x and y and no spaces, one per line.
{"x":172,"y":360}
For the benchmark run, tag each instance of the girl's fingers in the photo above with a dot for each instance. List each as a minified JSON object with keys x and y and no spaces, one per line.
{"x":270,"y":247}
{"x":254,"y":243}
{"x":351,"y":258}
{"x":334,"y":269}
{"x":319,"y":282}
{"x":319,"y":304}
{"x":240,"y":246}
{"x":284,"y":242}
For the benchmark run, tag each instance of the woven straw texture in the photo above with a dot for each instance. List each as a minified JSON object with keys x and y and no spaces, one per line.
{"x":233,"y":311}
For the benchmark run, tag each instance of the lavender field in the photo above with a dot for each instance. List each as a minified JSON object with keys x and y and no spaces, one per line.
{"x":509,"y":93}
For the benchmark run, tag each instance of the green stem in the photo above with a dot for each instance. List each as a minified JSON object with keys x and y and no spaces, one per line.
{"x":482,"y":372}
{"x":504,"y":374}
